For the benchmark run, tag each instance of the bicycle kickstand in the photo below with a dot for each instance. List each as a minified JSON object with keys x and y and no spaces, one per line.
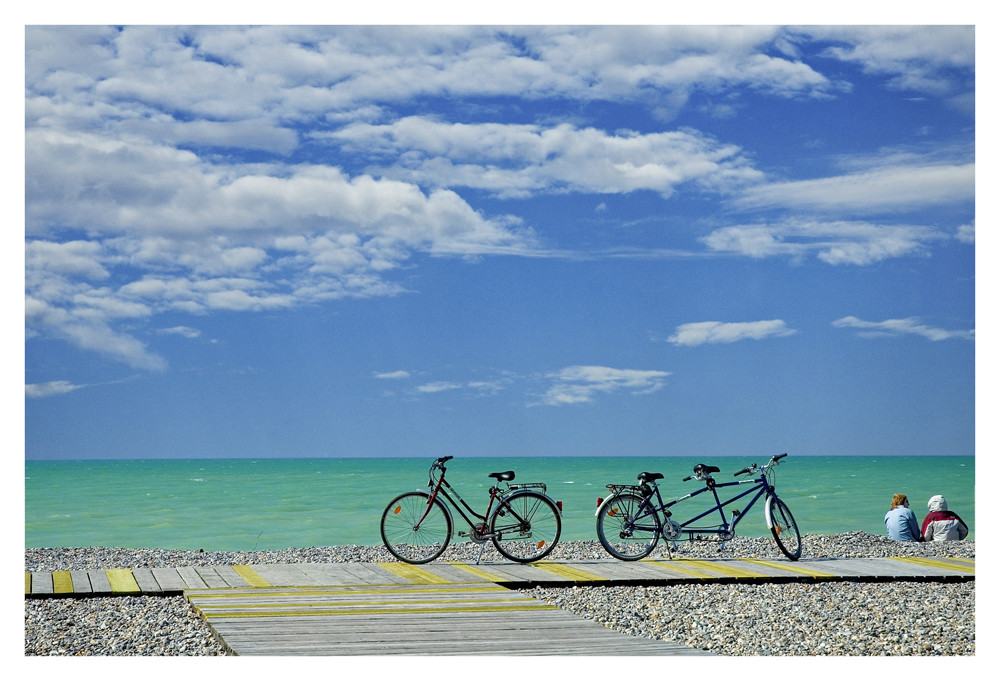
{"x":482,"y":547}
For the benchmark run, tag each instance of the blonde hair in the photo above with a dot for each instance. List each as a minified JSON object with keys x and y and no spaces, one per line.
{"x":898,"y":500}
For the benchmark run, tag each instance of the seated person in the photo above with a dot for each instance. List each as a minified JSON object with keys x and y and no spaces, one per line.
{"x":941,"y":524}
{"x":900,"y":521}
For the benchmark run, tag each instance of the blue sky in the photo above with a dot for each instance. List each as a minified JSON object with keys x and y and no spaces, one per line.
{"x":484,"y":241}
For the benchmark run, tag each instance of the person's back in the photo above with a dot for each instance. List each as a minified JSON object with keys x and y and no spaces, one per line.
{"x":900,"y":521}
{"x":942,"y":524}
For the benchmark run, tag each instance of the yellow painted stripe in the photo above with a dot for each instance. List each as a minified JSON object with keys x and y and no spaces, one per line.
{"x":355,"y":604}
{"x":567,"y":571}
{"x":964,"y":560}
{"x":472,"y":570}
{"x":62,"y":583}
{"x":678,"y":568}
{"x":413,"y":573}
{"x":790,"y":568}
{"x":27,"y":582}
{"x":378,"y":611}
{"x":927,"y":562}
{"x":251,"y":576}
{"x":195,"y":594}
{"x":122,"y":581}
{"x":722,"y":569}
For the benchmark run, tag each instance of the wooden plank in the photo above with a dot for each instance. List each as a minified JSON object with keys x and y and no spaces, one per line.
{"x":81,"y":582}
{"x":122,"y":582}
{"x":328,"y":574}
{"x":230,"y":576}
{"x":146,"y":581}
{"x":371,"y":574}
{"x":284,"y":575}
{"x":168,"y":579}
{"x":941,"y":566}
{"x":191,"y":577}
{"x":62,"y":582}
{"x":41,"y":583}
{"x":250,"y":576}
{"x":567,"y":572}
{"x":210,"y":576}
{"x":414,"y":574}
{"x":99,"y":582}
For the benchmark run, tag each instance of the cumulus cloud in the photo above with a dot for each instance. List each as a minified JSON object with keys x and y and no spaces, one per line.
{"x":698,"y":333}
{"x":49,"y":389}
{"x":582,"y":384}
{"x":393,"y":375}
{"x":899,"y":327}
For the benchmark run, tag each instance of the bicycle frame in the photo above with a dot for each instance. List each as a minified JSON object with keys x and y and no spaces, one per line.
{"x":671,"y":530}
{"x":441,"y":488}
{"x":725,"y":529}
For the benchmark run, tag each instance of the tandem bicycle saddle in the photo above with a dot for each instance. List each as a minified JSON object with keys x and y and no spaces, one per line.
{"x":703,"y":472}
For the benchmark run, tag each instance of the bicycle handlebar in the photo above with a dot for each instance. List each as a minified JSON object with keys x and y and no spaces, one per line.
{"x":753,"y":468}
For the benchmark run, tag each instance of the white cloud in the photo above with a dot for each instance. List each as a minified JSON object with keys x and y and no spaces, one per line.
{"x":581,"y":384}
{"x":517,"y":160}
{"x":934,"y":60}
{"x":887,"y":189}
{"x":836,"y":243}
{"x":439,"y":386}
{"x":698,"y":333}
{"x":185,"y":331}
{"x":967,"y":233}
{"x":49,"y":389}
{"x":898,"y":327}
{"x":393,"y":375}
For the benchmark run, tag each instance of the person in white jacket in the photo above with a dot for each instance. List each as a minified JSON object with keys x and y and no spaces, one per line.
{"x":942,"y":524}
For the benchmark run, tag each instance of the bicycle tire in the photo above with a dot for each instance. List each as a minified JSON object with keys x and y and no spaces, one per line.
{"x":406,"y":541}
{"x":531,"y":537}
{"x":784,"y":529}
{"x":617,"y":538}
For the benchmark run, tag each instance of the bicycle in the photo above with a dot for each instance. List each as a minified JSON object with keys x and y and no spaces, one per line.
{"x":522,"y":521}
{"x":629,"y":521}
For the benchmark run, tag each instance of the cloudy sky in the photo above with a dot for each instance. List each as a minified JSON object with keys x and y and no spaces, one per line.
{"x":389,"y":241}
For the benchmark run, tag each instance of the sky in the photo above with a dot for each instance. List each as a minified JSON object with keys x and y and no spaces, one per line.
{"x":480,"y":240}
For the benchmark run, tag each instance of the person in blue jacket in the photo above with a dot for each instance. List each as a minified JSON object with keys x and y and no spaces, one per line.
{"x":900,"y":521}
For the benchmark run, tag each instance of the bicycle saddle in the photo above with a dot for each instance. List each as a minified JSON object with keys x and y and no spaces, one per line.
{"x":701,"y":469}
{"x":649,"y":477}
{"x":505,"y":476}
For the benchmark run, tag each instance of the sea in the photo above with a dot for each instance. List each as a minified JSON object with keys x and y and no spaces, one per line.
{"x":262,"y":504}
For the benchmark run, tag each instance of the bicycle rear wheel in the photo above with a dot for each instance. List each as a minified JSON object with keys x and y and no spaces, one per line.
{"x":617,"y":529}
{"x":784,"y":529}
{"x":525,"y":526}
{"x":415,"y":529}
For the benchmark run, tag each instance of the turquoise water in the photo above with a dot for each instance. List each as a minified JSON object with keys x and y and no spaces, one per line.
{"x":247,"y":504}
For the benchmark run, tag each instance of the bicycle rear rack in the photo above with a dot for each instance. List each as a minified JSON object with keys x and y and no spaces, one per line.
{"x":526,"y":485}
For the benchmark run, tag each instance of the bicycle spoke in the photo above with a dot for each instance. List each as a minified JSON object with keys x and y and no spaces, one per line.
{"x":526,"y":527}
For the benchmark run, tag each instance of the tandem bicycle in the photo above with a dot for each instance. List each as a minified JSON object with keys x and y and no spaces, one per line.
{"x":632,"y":518}
{"x":521,"y":520}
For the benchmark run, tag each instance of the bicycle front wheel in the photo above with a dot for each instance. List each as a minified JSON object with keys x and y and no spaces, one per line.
{"x":784,"y":529}
{"x":622,"y":534}
{"x":525,"y":527}
{"x":415,"y":528}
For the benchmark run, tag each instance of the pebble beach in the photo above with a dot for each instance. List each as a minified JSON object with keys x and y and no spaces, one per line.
{"x":840,"y":618}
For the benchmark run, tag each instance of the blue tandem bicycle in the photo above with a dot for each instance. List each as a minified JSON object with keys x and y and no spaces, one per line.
{"x":631,"y":520}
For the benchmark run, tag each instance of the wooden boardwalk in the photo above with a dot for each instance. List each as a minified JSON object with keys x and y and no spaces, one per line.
{"x":445,"y":608}
{"x":178,"y":580}
{"x":451,"y":619}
